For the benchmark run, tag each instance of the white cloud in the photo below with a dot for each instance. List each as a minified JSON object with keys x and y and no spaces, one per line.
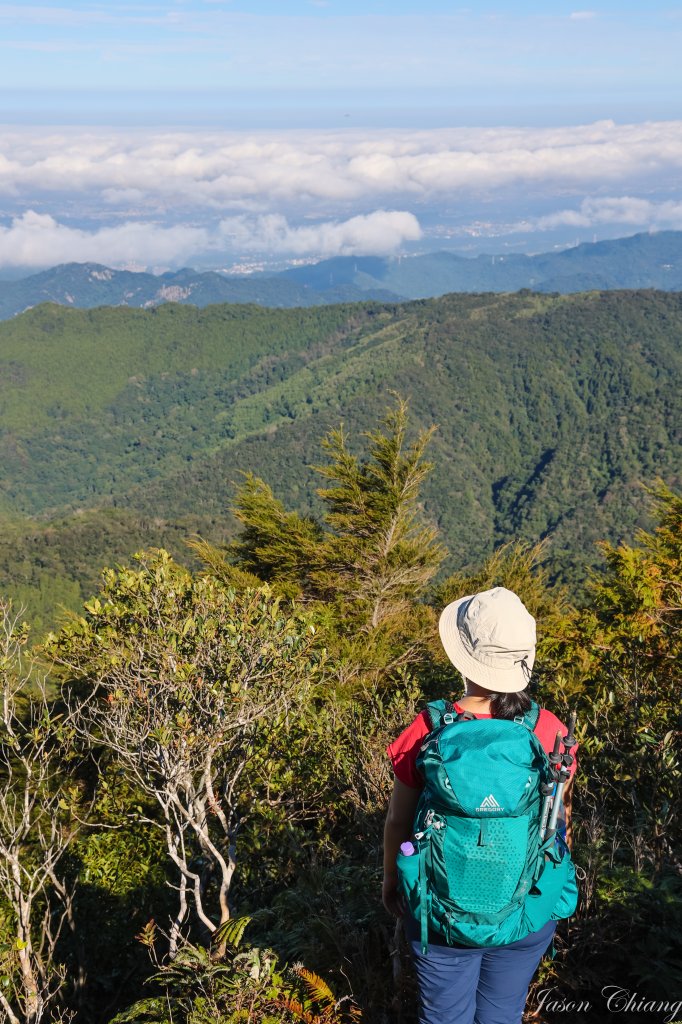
{"x":379,"y":232}
{"x":625,"y":210}
{"x":38,"y":240}
{"x":205,"y":170}
{"x":167,"y":196}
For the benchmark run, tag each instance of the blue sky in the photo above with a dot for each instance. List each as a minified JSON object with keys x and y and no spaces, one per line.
{"x":523,"y":59}
{"x":211,"y":132}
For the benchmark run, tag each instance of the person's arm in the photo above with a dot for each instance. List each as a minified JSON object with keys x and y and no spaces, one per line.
{"x":397,"y":829}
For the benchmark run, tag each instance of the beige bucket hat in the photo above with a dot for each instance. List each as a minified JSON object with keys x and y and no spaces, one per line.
{"x":490,"y":638}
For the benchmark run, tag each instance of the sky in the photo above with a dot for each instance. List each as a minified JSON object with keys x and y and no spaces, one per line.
{"x":232,"y":132}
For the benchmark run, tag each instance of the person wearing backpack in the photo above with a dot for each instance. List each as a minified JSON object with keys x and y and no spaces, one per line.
{"x":468,"y":860}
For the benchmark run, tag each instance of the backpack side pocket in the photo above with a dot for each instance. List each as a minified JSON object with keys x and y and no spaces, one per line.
{"x":553,"y":896}
{"x":408,"y":879}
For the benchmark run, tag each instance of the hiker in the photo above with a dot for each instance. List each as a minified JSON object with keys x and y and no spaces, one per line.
{"x":465,"y":975}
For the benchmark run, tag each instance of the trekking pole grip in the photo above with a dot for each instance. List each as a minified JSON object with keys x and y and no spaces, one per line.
{"x":569,"y":738}
{"x":569,"y":742}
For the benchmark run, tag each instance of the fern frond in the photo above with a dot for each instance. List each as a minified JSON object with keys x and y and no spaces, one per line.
{"x":296,"y":1009}
{"x":317,"y":987}
{"x":231,"y":932}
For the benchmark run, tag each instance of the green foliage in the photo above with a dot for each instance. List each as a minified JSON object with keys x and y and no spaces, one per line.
{"x":160,"y":610}
{"x":233,"y":732}
{"x":243,"y":983}
{"x":200,"y":989}
{"x":379,"y":555}
{"x":123,"y":880}
{"x":550,"y":412}
{"x":365,"y":564}
{"x":275,"y":545}
{"x":184,"y":682}
{"x":370,"y":551}
{"x":626,"y":647}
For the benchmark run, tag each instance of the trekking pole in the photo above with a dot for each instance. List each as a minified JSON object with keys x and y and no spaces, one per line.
{"x":564,"y":773}
{"x":547,"y":788}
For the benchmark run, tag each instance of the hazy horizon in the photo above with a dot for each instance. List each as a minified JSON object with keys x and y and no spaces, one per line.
{"x":204,"y":133}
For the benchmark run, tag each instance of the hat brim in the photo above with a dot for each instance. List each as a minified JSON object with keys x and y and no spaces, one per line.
{"x":498,"y":680}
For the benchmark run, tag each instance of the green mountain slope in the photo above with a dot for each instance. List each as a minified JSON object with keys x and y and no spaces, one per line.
{"x":552,"y":411}
{"x":47,"y":567}
{"x":92,"y":402}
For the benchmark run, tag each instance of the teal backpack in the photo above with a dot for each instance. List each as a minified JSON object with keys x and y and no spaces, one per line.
{"x":479,"y":874}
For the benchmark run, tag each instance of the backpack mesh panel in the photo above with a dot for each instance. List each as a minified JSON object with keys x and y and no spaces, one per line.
{"x":489,"y":864}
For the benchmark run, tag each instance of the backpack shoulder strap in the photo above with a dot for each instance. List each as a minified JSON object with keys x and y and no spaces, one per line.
{"x":531,"y":717}
{"x":436,"y":710}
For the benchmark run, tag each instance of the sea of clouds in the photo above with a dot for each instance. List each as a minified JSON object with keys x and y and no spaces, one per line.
{"x":167,"y":197}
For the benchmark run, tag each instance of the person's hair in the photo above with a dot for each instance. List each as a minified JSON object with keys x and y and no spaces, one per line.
{"x":509,"y":705}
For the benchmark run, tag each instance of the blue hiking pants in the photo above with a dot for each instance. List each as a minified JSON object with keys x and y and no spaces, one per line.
{"x":461,"y":985}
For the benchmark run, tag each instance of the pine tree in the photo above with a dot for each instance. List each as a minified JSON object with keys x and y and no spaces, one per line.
{"x":366,"y":562}
{"x":378,"y":554}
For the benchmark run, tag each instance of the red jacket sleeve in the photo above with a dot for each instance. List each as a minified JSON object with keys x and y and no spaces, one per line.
{"x":403,"y":751}
{"x":547,"y":728}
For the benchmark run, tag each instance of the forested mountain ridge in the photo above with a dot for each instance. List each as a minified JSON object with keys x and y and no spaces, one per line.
{"x":88,"y":285}
{"x":551,"y":411}
{"x":651,"y":260}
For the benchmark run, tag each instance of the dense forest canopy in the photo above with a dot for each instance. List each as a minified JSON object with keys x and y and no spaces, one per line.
{"x":551,"y":412}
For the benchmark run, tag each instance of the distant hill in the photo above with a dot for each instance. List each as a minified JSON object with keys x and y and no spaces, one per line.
{"x":641,"y":261}
{"x":552,"y":413}
{"x":88,"y":285}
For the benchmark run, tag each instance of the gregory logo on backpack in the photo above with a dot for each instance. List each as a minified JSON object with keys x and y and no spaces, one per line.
{"x":489,"y":804}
